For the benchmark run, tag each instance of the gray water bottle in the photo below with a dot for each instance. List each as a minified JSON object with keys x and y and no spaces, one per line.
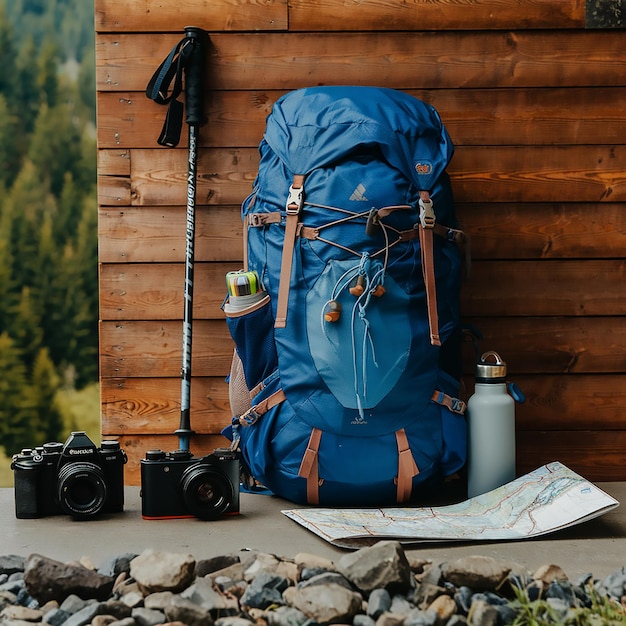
{"x":491,"y":428}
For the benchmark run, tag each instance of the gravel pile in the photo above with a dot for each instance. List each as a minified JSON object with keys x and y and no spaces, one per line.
{"x":376,"y":586}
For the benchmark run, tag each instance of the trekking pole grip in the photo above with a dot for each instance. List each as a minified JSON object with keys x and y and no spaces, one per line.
{"x":194,"y":75}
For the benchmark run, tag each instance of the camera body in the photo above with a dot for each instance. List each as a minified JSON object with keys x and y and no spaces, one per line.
{"x":176,"y":484}
{"x":76,"y":478}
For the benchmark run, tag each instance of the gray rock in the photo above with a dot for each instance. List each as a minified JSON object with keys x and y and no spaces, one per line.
{"x":147,"y":617}
{"x":116,"y":608}
{"x":330,"y":603}
{"x":233,"y":621}
{"x":400,"y":605}
{"x":390,"y":619}
{"x":56,"y":617}
{"x":116,"y":565}
{"x":202,"y":593}
{"x":417,"y":617}
{"x":383,"y":565}
{"x":615,"y":584}
{"x":47,"y":579}
{"x":477,"y":572}
{"x":85,"y":615}
{"x":127,"y":621}
{"x":73,"y":604}
{"x":363,"y":620}
{"x":132,"y":598}
{"x":209,"y":566}
{"x":261,"y":562}
{"x":266,"y":589}
{"x":13,"y":585}
{"x":11,"y":563}
{"x":103,"y":620}
{"x":162,"y":571}
{"x":326,"y":577}
{"x":158,"y":600}
{"x":286,"y":616}
{"x":379,"y":602}
{"x":185,"y":611}
{"x":483,"y":614}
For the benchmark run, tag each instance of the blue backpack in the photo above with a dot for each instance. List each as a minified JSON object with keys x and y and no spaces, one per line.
{"x":346,"y":375}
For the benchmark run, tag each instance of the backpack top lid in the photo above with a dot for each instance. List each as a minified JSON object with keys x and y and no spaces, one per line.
{"x":313,"y":127}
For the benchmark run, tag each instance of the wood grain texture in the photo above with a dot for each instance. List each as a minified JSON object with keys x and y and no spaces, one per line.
{"x":545,"y":288}
{"x":599,"y":456}
{"x":555,"y":345}
{"x":404,"y":60}
{"x":479,"y":174}
{"x":306,"y":15}
{"x":539,"y":230}
{"x":516,"y":116}
{"x":122,"y":15}
{"x":152,"y":348}
{"x":154,"y":291}
{"x":134,"y":406}
{"x":157,"y":234}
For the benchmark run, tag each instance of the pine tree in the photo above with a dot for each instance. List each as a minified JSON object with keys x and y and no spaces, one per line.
{"x":7,"y":53}
{"x":7,"y":283}
{"x":9,"y":157}
{"x":41,"y":405}
{"x":27,"y":334}
{"x":15,"y":427}
{"x":48,"y":214}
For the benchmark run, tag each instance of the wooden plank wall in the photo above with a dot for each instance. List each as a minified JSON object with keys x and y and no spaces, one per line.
{"x":533,"y":94}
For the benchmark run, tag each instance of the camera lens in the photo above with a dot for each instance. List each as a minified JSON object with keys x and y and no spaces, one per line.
{"x":81,"y":489}
{"x":207,"y":492}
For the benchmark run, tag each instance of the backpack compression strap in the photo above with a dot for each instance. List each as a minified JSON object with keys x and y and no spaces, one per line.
{"x":426,"y":226}
{"x":309,"y":467}
{"x":295,"y":202}
{"x":407,"y":468}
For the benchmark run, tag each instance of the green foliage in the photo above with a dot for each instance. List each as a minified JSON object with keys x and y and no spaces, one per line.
{"x":603,"y":611}
{"x":48,"y":215}
{"x":79,"y":410}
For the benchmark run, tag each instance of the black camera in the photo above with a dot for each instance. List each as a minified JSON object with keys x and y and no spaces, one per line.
{"x":177,"y":484}
{"x":76,"y":478}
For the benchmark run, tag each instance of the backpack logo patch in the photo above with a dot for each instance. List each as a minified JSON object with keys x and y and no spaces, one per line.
{"x":358,"y":195}
{"x":424,"y":168}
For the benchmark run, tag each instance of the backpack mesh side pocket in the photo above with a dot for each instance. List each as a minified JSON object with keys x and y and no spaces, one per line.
{"x":252,"y":331}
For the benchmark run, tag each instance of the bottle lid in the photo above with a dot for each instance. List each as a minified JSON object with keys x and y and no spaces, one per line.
{"x":491,"y":367}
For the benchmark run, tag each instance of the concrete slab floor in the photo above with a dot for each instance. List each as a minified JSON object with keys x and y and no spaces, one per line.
{"x":597,"y":546}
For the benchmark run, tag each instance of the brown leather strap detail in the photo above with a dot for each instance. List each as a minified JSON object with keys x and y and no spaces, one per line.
{"x":388,"y":210}
{"x":426,"y":228}
{"x":260,"y":409}
{"x":450,"y":234}
{"x":452,"y":404}
{"x":256,"y":220}
{"x":245,"y":248}
{"x":291,"y":226}
{"x":407,"y":468}
{"x":309,"y":467}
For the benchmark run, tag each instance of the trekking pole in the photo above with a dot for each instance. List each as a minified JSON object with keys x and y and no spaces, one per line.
{"x":186,"y":58}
